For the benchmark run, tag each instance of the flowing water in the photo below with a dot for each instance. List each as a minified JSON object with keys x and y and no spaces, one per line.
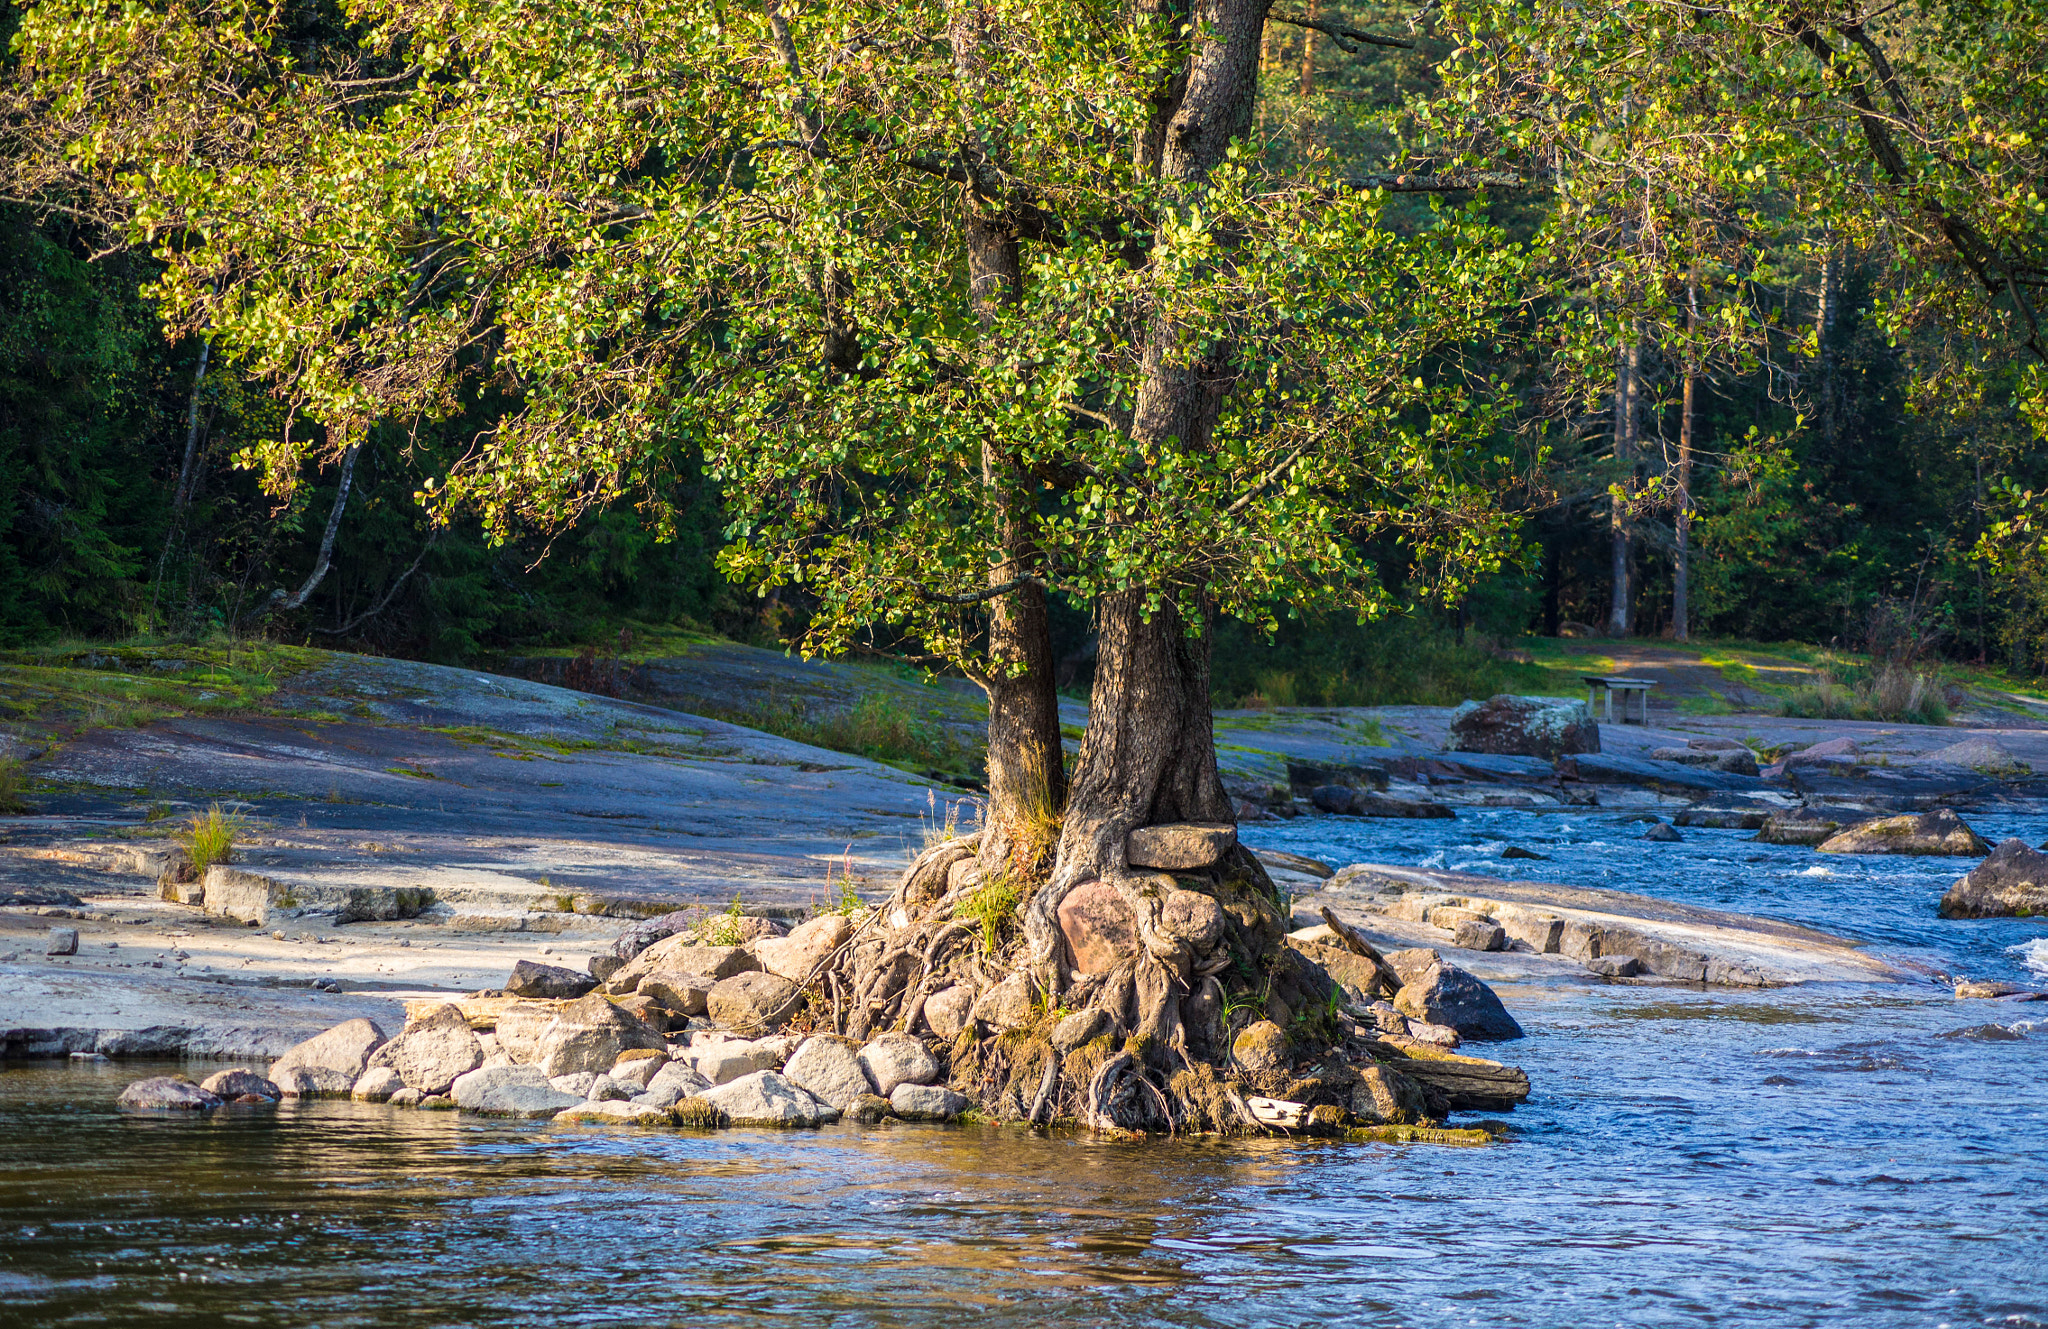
{"x":1848,"y":1155}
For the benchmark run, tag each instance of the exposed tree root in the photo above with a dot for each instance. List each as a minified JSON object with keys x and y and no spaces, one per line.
{"x":1213,"y":1008}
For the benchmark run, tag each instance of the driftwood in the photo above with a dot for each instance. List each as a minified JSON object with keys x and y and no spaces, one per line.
{"x":1277,"y":1112}
{"x":1468,"y":1084}
{"x":1355,"y":942}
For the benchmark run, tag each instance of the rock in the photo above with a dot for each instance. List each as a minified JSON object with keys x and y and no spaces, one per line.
{"x":866,"y":1110}
{"x":1385,"y":1095}
{"x":678,"y":954}
{"x":328,"y":1063}
{"x":1344,"y":968}
{"x":1614,"y":966}
{"x":1446,"y":994}
{"x":602,"y":967}
{"x":638,"y":1066}
{"x":588,"y":1034}
{"x":1515,"y":851}
{"x":1413,"y":809}
{"x":1303,"y":776}
{"x":1412,"y":963}
{"x":377,"y":1085}
{"x":1479,"y":934}
{"x":1834,"y":749}
{"x":1334,"y":799}
{"x":407,"y":1098}
{"x":1261,"y":1047}
{"x":1547,"y":727}
{"x":614,"y":1112}
{"x":32,"y":896}
{"x":577,"y":1084}
{"x":645,"y":933}
{"x":1010,"y":1004}
{"x":1388,"y":1020}
{"x":777,"y":1047}
{"x":1541,"y":933}
{"x":650,"y":1012}
{"x":1968,"y":990}
{"x":508,"y":1091}
{"x":1314,"y":867}
{"x":382,"y":904}
{"x":1596,"y":768}
{"x":1467,"y":1084}
{"x":767,"y":1099}
{"x":895,"y":1059}
{"x":2011,"y":883}
{"x":947,"y":1011}
{"x":722,"y":1063}
{"x":1436,"y":1035}
{"x":1748,"y":818}
{"x":672,"y":1084}
{"x":246,"y":897}
{"x":429,"y":1053}
{"x":1080,"y":1027}
{"x":169,"y":1093}
{"x":1734,"y":758}
{"x":1800,"y":826}
{"x":830,"y":1069}
{"x":604,"y":1089}
{"x":1662,"y":832}
{"x":519,"y":1030}
{"x":532,"y":979}
{"x":1191,"y":917}
{"x":1179,"y":846}
{"x":61,"y":941}
{"x":794,"y":956}
{"x":1982,"y":754}
{"x":239,"y":1081}
{"x":1940,"y":832}
{"x":751,"y":1003}
{"x":685,"y":994}
{"x":927,"y":1102}
{"x":1099,"y":928}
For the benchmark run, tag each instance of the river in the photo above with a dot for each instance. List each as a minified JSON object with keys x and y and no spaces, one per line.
{"x":1840,"y":1155}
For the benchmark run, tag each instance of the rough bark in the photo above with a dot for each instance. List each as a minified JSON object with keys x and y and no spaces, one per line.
{"x":1681,"y":569}
{"x":1627,"y":379}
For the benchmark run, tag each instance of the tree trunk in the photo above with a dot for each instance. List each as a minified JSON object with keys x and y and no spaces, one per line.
{"x":1681,"y":568}
{"x":1625,"y":423}
{"x":1307,"y":82}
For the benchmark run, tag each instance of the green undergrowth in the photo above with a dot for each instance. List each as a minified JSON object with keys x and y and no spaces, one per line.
{"x":878,"y":726}
{"x":1401,"y":662}
{"x":76,"y":687}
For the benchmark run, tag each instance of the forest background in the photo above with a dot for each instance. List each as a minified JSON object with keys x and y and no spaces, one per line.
{"x":1833,"y":500}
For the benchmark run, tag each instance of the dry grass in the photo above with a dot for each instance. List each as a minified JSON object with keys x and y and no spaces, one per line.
{"x":1893,"y":692}
{"x":11,"y":802}
{"x":210,"y":838}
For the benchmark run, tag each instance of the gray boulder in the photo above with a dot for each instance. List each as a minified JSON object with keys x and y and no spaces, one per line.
{"x":1802,"y":826}
{"x":1546,"y":727}
{"x":927,"y":1102}
{"x":794,"y":956}
{"x":577,"y":1084}
{"x":636,"y":1068}
{"x":1080,"y":1027}
{"x":671,"y":1084}
{"x":588,"y":1034}
{"x":330,"y":1063}
{"x":894,"y":1059}
{"x":532,"y":979}
{"x":724,"y":1062}
{"x":2012,"y":883}
{"x":766,"y":1099}
{"x":1662,"y":832}
{"x":1447,"y":995}
{"x":61,"y":941}
{"x":377,"y":1085}
{"x":430,"y":1052}
{"x":751,"y":1003}
{"x":604,"y":1089}
{"x":169,"y":1093}
{"x":239,"y":1081}
{"x":685,"y":994}
{"x":510,"y":1091}
{"x":947,"y":1011}
{"x":520,"y":1028}
{"x":1937,"y":833}
{"x":1479,"y":934}
{"x":830,"y":1069}
{"x":614,"y":1112}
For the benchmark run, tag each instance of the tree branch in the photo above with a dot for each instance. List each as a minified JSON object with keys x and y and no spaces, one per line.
{"x":1347,"y":38}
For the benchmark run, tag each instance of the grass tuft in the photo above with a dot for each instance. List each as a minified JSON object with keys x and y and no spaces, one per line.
{"x":993,"y":910}
{"x":11,"y":802}
{"x":210,"y":838}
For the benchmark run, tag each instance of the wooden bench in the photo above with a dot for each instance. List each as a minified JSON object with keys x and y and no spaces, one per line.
{"x":1601,"y":688}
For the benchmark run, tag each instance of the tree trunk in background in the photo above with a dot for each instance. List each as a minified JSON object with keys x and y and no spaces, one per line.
{"x":1626,"y":412}
{"x":1681,"y":570}
{"x":1307,"y":83}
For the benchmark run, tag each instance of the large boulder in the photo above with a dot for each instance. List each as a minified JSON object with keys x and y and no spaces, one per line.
{"x":794,"y":956}
{"x":530,"y":978}
{"x":239,"y":1081}
{"x":691,"y":925}
{"x":1261,"y":1047}
{"x":1179,"y":846}
{"x":520,"y":1027}
{"x":1447,"y":995}
{"x":829,"y":1068}
{"x":948,"y":1011}
{"x":894,"y":1059}
{"x":722,"y":1063}
{"x":1983,"y":754}
{"x":1802,"y":826}
{"x":1008,"y":1005}
{"x":1937,"y":833}
{"x":377,"y":1085}
{"x":685,"y":994}
{"x":766,"y":1099}
{"x":168,"y":1093}
{"x":750,"y":1003}
{"x":1098,"y":926}
{"x":927,"y":1102}
{"x":2012,"y":883}
{"x":682,"y":955}
{"x":328,"y":1064}
{"x":510,"y":1091}
{"x":614,"y":1112}
{"x":430,"y":1052}
{"x":672,"y":1084}
{"x":1386,"y":1096}
{"x":1192,"y":917}
{"x":1547,"y":727}
{"x":588,"y":1034}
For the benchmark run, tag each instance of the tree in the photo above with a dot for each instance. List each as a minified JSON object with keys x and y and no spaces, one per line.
{"x":963,"y":304}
